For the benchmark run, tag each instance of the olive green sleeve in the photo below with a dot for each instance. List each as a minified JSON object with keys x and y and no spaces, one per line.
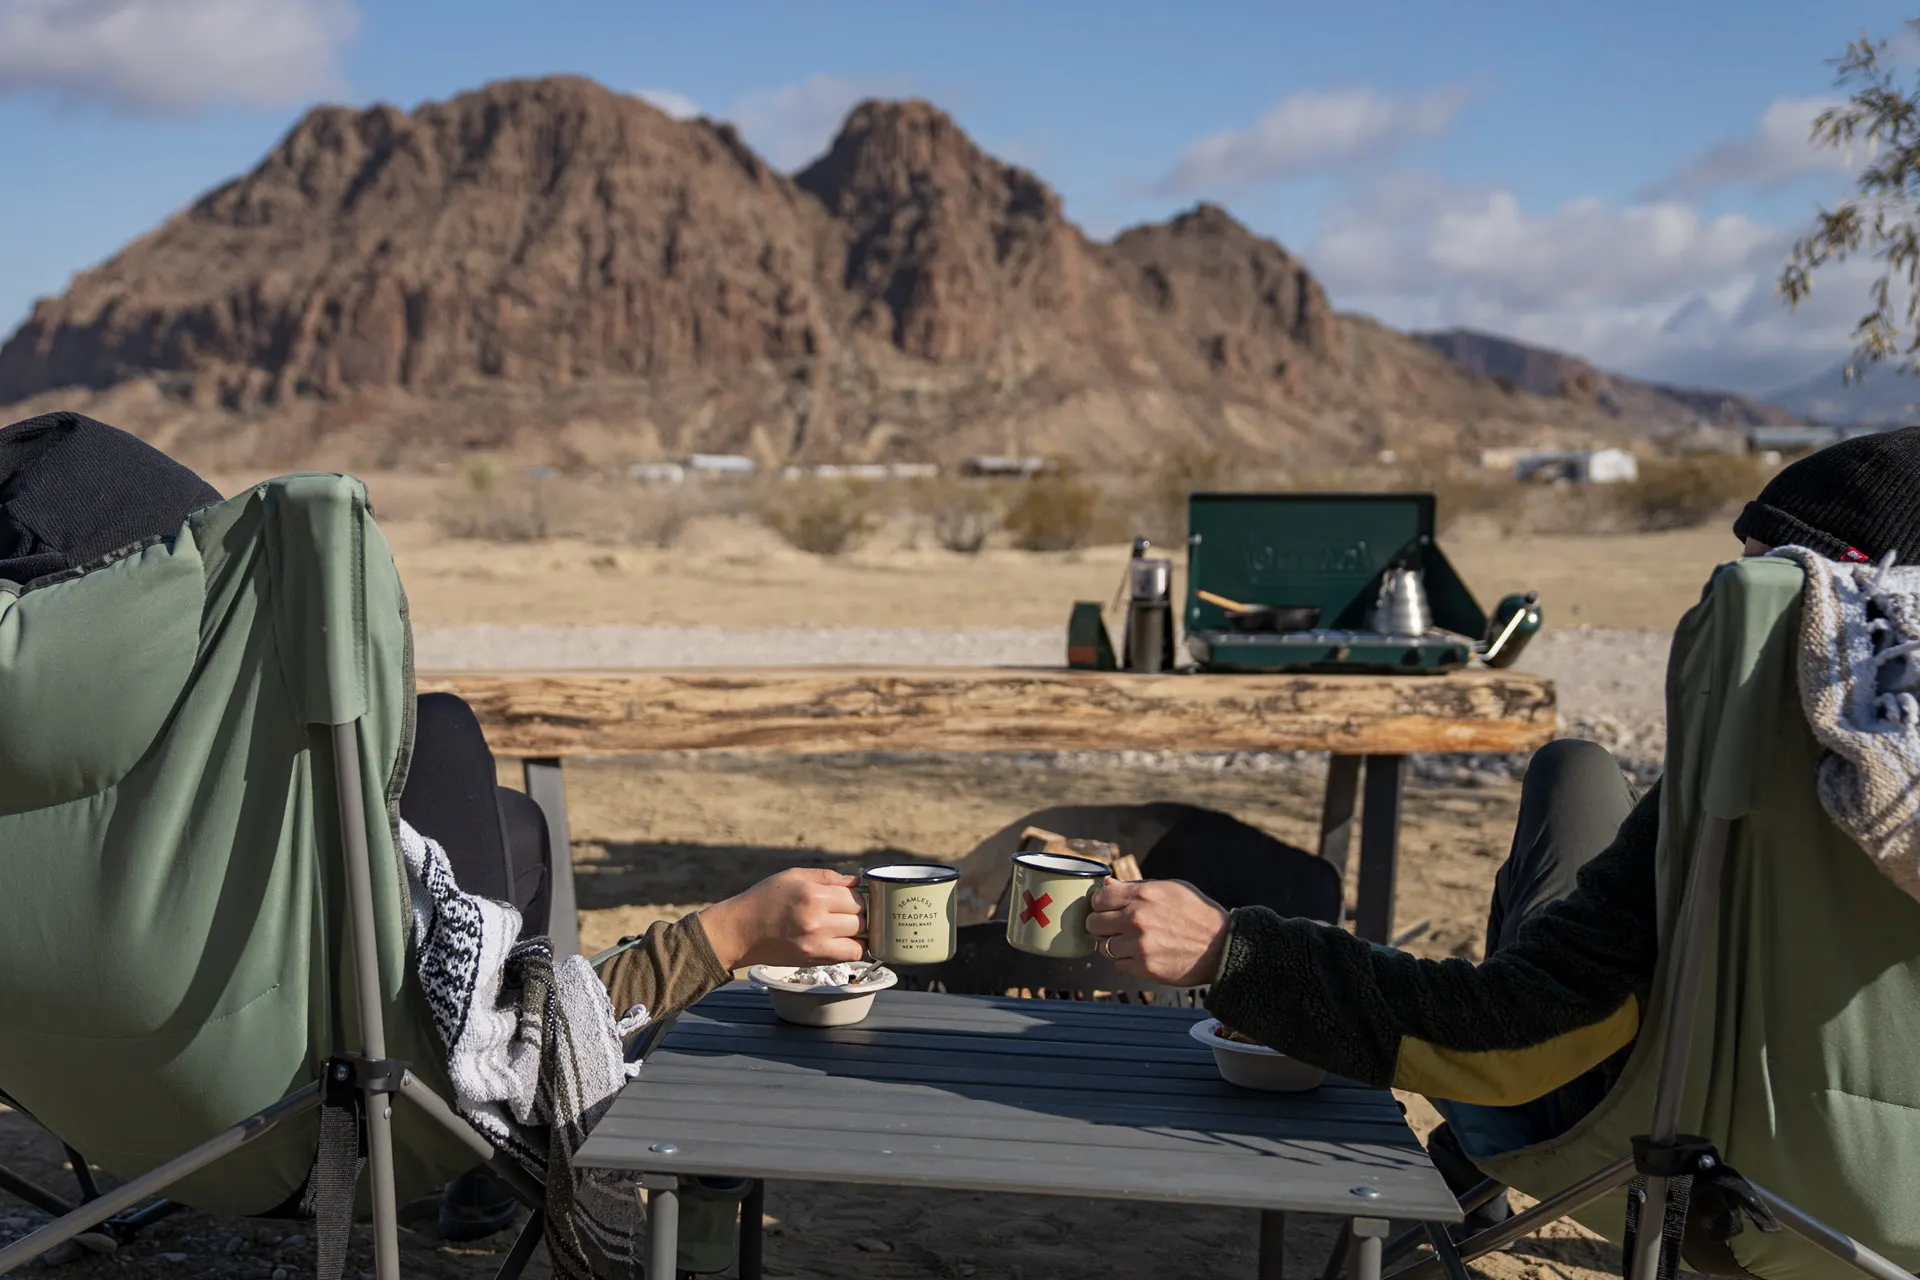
{"x":669,"y":968}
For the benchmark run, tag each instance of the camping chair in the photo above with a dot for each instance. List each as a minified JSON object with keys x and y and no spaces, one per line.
{"x":204,"y":916}
{"x":1780,"y":1041}
{"x":1234,"y":864}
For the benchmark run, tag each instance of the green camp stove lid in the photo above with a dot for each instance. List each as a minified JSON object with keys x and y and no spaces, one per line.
{"x":1325,"y":550}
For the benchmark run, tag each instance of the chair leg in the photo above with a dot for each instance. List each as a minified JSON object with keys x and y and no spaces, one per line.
{"x":33,"y":1193}
{"x":1823,"y":1237}
{"x":1697,"y":929}
{"x":125,"y":1196}
{"x":1444,"y":1250}
{"x":82,"y":1174}
{"x":366,"y":964}
{"x":523,"y":1246}
{"x":1572,"y":1200}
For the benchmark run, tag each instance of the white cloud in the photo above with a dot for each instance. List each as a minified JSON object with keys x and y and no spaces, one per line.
{"x":677,"y":105}
{"x":790,"y":125}
{"x":1655,"y":289}
{"x":1778,"y":152}
{"x":1314,"y":132}
{"x":794,"y":124}
{"x":173,"y":57}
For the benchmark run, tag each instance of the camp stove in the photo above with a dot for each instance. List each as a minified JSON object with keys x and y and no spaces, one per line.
{"x":1335,"y":582}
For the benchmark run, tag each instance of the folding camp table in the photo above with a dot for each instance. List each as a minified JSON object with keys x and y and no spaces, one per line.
{"x":1032,"y":1097}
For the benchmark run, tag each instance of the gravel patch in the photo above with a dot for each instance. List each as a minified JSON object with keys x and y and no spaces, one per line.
{"x":486,"y":647}
{"x":1610,"y":681}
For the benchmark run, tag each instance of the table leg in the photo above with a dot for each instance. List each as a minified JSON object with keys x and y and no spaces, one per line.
{"x":663,"y":1225}
{"x":1368,"y":1236}
{"x":548,"y":788}
{"x":1379,"y":846}
{"x":1273,"y":1244}
{"x":1337,"y":1257}
{"x":1336,"y":813}
{"x":752,"y":1210}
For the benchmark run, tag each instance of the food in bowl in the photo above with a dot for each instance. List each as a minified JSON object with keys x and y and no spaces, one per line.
{"x":1242,"y":1061}
{"x":853,"y":974}
{"x":833,"y":995}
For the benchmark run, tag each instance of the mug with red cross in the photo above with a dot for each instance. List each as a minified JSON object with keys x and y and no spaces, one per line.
{"x":1048,"y":913}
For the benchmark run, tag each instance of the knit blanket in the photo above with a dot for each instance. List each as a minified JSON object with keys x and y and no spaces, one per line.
{"x":1859,"y":669}
{"x":534,"y":1052}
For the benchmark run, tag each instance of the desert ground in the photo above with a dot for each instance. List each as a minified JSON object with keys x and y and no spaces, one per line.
{"x":655,"y":837}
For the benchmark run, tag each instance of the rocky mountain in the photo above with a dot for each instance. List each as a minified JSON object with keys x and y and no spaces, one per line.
{"x":1882,"y":397}
{"x":567,"y":275}
{"x":1651,"y":407}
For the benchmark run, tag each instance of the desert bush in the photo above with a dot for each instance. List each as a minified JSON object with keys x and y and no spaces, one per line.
{"x":499,"y":511}
{"x":1462,"y":491}
{"x":822,"y":518}
{"x":1160,"y":509}
{"x":963,"y":514}
{"x":1054,"y":513}
{"x":1680,"y":493}
{"x":484,"y":473}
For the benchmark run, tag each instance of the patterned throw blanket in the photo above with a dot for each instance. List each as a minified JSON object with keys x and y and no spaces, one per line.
{"x":534,"y":1053}
{"x":1860,"y":688}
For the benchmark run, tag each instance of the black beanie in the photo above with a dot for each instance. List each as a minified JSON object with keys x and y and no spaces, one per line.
{"x":1856,"y":500}
{"x":73,"y":490}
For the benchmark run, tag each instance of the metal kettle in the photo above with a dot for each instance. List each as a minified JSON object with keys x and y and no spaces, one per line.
{"x":1401,"y":609}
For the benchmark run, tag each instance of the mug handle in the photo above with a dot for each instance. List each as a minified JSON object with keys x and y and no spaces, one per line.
{"x":865,"y":891}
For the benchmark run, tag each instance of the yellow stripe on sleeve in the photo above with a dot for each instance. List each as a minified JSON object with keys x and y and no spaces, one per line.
{"x":1508,"y":1077}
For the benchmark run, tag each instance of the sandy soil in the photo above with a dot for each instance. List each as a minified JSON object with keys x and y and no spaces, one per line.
{"x":659,"y":836}
{"x":730,"y":573}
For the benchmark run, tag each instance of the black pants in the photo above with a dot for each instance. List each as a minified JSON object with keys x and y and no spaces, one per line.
{"x":495,"y":837}
{"x":1572,"y":803}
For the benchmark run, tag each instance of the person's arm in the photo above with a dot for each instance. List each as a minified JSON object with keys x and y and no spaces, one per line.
{"x":808,"y":915}
{"x":1562,"y":998}
{"x":671,"y":967}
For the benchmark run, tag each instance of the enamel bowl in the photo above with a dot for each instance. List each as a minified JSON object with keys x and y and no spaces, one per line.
{"x":1254,"y":1066}
{"x":808,"y":1005}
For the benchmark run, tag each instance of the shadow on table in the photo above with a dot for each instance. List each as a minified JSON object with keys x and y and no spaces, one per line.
{"x":1134,"y":1066}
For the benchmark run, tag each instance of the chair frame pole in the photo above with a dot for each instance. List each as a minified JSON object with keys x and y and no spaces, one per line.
{"x":1695,"y":933}
{"x":1572,"y":1200}
{"x":366,"y":966}
{"x":1825,"y":1238}
{"x":125,"y":1196}
{"x":526,"y":1188}
{"x":33,"y":1193}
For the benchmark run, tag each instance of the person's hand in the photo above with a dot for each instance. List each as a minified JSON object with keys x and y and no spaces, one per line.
{"x":1165,"y":931}
{"x":805,"y":915}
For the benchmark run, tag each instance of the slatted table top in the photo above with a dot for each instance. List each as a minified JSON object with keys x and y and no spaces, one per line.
{"x":990,"y":1094}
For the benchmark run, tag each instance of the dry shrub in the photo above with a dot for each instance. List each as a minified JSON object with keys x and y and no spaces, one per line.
{"x":1054,"y":513}
{"x":653,"y":519}
{"x":1161,"y":505}
{"x":963,"y":515}
{"x":498,"y":506}
{"x":495,"y":509}
{"x":1459,"y":491}
{"x":822,"y":518}
{"x":1681,"y":493}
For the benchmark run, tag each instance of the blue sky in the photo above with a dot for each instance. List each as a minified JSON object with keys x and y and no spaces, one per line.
{"x":1622,"y":182}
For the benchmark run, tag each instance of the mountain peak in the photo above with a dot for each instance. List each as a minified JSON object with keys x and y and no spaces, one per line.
{"x":549,"y":267}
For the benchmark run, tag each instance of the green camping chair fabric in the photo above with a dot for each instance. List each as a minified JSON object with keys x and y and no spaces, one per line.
{"x":1787,"y":1010}
{"x":202,"y":912}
